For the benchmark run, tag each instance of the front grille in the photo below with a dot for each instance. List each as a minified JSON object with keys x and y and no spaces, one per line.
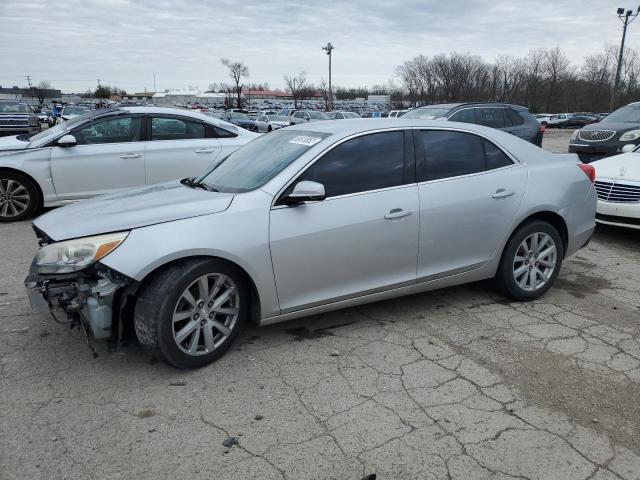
{"x":618,"y":192}
{"x":596,"y":135}
{"x":14,"y":123}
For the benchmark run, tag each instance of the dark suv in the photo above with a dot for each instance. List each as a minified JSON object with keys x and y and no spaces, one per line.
{"x":620,"y":128}
{"x":512,"y":119}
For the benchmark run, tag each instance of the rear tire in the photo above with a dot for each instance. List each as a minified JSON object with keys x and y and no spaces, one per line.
{"x":19,"y":197}
{"x":530,"y":261}
{"x":175,"y":322}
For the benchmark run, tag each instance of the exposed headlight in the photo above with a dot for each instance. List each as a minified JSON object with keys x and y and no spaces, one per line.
{"x":630,"y":136}
{"x":74,"y":255}
{"x":574,"y":135}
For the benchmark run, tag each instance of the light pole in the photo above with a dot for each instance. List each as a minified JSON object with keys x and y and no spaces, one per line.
{"x":626,"y":18}
{"x":328,"y":49}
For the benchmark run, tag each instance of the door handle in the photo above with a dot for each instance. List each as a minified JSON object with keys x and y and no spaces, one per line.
{"x":397,"y":213}
{"x":502,"y":193}
{"x":131,"y":155}
{"x":205,"y":150}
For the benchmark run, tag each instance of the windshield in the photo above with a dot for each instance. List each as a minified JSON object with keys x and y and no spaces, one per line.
{"x":427,"y":113}
{"x":628,"y":114}
{"x":318,"y":116}
{"x":239,"y":116}
{"x":254,"y":164}
{"x":14,"y":107}
{"x":350,"y":115}
{"x":278,"y":118}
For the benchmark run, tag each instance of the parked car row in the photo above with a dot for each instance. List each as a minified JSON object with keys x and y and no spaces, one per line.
{"x":569,"y":120}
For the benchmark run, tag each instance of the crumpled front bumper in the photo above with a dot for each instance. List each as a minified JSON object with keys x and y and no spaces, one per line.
{"x":86,"y":297}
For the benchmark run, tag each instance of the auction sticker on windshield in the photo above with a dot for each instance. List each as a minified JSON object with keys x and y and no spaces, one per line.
{"x":304,"y":140}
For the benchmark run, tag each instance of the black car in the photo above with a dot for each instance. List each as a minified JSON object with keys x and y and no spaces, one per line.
{"x":241,"y":120}
{"x":578,"y":121}
{"x":607,"y":137}
{"x":509,"y":118}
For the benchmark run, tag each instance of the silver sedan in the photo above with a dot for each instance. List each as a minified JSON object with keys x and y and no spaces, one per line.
{"x":309,"y":219}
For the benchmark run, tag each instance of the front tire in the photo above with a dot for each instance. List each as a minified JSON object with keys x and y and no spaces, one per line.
{"x":190,"y":313}
{"x":530,"y":262}
{"x":19,"y":197}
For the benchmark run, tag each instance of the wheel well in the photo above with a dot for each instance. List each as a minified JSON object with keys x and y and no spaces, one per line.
{"x":254,"y":314}
{"x":554,"y":219}
{"x":33,"y":180}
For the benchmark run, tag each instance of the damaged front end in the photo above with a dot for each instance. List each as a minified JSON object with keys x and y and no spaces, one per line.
{"x":67,"y":281}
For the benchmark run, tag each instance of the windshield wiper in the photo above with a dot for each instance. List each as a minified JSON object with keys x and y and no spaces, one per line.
{"x":191,"y":183}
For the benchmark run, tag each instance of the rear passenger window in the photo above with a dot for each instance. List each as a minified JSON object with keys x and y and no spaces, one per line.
{"x":496,"y":158}
{"x":168,"y":128}
{"x":514,"y":117}
{"x":490,"y":117}
{"x":450,"y":154}
{"x":465,"y":116}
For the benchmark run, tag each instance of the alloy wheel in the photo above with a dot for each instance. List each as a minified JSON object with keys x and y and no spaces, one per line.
{"x":535,"y":261}
{"x":205,"y":314}
{"x":14,"y":198}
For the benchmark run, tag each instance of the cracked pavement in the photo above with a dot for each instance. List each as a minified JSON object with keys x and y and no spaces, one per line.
{"x":459,"y":383}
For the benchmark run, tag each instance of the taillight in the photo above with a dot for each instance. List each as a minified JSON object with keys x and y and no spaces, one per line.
{"x":589,"y":171}
{"x":542,"y":128}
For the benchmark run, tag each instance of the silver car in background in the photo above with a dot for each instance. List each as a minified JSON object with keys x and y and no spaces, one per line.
{"x":309,"y":219}
{"x":268,"y":123}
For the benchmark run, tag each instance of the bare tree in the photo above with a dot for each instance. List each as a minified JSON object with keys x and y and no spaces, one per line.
{"x":323,"y":88}
{"x":296,"y":85}
{"x":237,"y":71}
{"x":40,"y":90}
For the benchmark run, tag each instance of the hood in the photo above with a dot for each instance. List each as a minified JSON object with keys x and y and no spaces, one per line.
{"x":625,"y":166}
{"x":619,"y":127}
{"x":137,"y":207}
{"x":12,"y":143}
{"x":243,"y":122}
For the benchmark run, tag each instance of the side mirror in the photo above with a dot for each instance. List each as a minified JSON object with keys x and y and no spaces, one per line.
{"x":66,"y":141}
{"x":628,"y":148}
{"x":305,"y":191}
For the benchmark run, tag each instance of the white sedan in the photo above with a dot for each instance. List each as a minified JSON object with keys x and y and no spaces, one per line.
{"x":107,"y":150}
{"x":268,"y":123}
{"x":618,"y":187}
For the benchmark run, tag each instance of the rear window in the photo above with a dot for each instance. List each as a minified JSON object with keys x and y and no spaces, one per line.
{"x":427,"y":113}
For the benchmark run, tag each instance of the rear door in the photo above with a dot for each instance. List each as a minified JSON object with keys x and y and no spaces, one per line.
{"x":108,"y":156}
{"x":469,"y":193}
{"x":178,"y":147}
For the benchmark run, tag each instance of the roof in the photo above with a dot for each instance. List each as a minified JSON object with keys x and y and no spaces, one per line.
{"x":344,"y":128}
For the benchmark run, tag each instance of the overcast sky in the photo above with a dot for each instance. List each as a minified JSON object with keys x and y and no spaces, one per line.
{"x":73,"y":42}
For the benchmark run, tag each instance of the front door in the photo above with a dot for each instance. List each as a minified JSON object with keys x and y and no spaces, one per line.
{"x":108,"y":156}
{"x":362,"y":238}
{"x":469,"y":192}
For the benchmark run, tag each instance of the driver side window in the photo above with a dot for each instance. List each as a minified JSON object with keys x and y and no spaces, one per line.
{"x":112,"y":130}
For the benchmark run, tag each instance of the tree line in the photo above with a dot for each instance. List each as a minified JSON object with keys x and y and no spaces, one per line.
{"x":544,"y":80}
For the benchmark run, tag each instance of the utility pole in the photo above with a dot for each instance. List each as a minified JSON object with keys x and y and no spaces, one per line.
{"x":328,"y":49}
{"x":154,"y":82}
{"x":626,"y":18}
{"x":28,"y":77}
